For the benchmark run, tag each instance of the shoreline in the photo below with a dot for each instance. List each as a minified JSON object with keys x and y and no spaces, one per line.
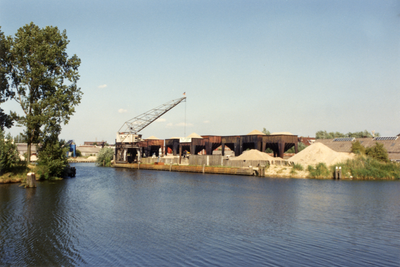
{"x":274,"y":171}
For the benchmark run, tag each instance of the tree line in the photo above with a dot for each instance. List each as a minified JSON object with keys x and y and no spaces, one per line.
{"x":332,"y":135}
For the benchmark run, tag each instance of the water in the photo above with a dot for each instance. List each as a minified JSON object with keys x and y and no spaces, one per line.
{"x":122,"y":217}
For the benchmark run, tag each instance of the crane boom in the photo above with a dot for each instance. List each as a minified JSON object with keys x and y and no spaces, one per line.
{"x":138,"y":123}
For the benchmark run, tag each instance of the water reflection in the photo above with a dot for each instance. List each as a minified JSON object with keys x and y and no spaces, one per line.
{"x":111,"y":216}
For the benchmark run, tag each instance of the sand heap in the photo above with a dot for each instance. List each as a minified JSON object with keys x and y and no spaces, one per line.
{"x":254,"y":154}
{"x":318,"y":152}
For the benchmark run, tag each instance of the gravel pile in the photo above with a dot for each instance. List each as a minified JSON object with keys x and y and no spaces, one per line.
{"x":254,"y":154}
{"x":318,"y":152}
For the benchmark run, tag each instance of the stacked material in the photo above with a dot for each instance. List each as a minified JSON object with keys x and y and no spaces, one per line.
{"x":92,"y":158}
{"x":253,"y":154}
{"x":318,"y":152}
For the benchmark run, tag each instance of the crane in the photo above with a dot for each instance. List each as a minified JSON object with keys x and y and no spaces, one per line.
{"x":128,"y":135}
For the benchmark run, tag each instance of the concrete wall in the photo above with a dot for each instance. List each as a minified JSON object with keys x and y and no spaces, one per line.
{"x":214,"y":160}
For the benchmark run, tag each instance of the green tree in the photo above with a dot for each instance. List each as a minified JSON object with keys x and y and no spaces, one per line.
{"x":357,"y":148}
{"x":52,"y":157}
{"x":105,"y":156}
{"x":43,"y":78}
{"x":378,"y":151}
{"x":265,"y":131}
{"x":332,"y":135}
{"x":9,"y":157}
{"x":5,"y":93}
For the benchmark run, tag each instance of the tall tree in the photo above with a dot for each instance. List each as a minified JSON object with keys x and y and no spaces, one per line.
{"x":44,"y":80}
{"x":5,"y":93}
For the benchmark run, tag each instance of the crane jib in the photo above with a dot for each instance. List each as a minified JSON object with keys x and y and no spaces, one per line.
{"x":130,"y":129}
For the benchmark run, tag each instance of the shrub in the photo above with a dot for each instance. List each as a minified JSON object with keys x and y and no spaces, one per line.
{"x":298,"y":167}
{"x":9,"y":157}
{"x":52,"y":158}
{"x":357,"y":148}
{"x":378,"y":152}
{"x":319,"y":171}
{"x":104,"y":157}
{"x":370,"y":168}
{"x":78,"y":153}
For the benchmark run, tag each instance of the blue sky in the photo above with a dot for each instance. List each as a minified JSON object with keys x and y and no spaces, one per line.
{"x":295,"y":66}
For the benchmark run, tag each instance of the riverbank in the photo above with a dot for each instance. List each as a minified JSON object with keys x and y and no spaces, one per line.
{"x":272,"y":171}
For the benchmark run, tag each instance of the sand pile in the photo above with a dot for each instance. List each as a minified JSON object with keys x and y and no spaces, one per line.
{"x":318,"y":152}
{"x":253,"y":154}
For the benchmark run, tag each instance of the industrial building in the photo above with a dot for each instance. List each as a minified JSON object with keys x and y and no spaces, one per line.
{"x":391,"y":144}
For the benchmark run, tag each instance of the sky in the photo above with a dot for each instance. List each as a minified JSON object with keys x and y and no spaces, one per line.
{"x":287,"y":66}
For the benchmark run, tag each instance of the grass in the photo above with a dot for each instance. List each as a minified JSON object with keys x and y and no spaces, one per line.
{"x":320,"y":171}
{"x":368,"y":168}
{"x":18,"y":172}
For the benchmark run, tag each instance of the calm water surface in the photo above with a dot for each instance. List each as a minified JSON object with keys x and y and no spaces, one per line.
{"x":116,"y":217}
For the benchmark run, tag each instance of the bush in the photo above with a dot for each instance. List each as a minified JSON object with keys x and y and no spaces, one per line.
{"x":9,"y":156}
{"x":378,"y":152}
{"x":104,"y":157}
{"x":357,"y":148}
{"x":52,"y":159}
{"x":319,"y":171}
{"x":298,"y":167}
{"x":78,"y":153}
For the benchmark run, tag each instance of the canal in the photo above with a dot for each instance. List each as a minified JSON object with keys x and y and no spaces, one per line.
{"x":122,"y":217}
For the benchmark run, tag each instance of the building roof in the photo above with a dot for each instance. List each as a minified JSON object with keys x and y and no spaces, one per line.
{"x":392,"y":146}
{"x":256,"y":132}
{"x":194,"y":135}
{"x":152,"y":138}
{"x":282,"y":133}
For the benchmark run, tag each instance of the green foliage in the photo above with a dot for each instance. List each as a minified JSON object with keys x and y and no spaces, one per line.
{"x":332,"y":135}
{"x":357,"y":148}
{"x":5,"y":93}
{"x":319,"y":171}
{"x":9,"y":157}
{"x":378,"y":152}
{"x":43,"y":79}
{"x":300,"y":147}
{"x":265,"y":131}
{"x":326,"y":135}
{"x":78,"y":153}
{"x":105,"y":156}
{"x":269,"y":150}
{"x":19,"y":139}
{"x":298,"y":167}
{"x":52,"y":158}
{"x":369,"y":168}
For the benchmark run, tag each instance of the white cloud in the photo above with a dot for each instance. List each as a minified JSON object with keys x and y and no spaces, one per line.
{"x":102,"y":86}
{"x":169,"y":125}
{"x":207,"y":121}
{"x":160,"y":120}
{"x":121,"y":110}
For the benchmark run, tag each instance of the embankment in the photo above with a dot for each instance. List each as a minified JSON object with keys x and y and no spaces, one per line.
{"x":185,"y":168}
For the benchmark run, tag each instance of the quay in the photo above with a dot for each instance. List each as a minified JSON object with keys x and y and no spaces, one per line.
{"x":195,"y":169}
